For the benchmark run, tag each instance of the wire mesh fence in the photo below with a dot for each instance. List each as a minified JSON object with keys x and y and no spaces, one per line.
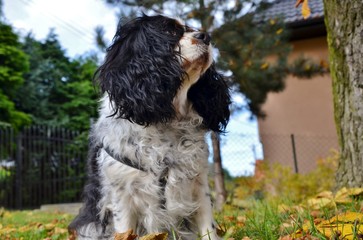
{"x":40,"y":165}
{"x":298,"y":151}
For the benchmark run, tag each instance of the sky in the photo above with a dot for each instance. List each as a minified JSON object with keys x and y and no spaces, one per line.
{"x":74,"y":22}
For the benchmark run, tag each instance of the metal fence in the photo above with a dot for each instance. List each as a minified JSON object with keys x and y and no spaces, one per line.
{"x":298,"y":151}
{"x":40,"y":165}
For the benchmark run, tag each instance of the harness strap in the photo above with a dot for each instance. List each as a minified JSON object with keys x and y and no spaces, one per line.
{"x":162,"y":184}
{"x":163,"y":178}
{"x":124,"y":160}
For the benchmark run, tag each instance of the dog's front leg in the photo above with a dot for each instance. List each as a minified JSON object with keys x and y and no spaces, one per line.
{"x":124,"y":217}
{"x":204,"y":215}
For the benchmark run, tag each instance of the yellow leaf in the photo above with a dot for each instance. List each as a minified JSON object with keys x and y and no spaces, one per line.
{"x":305,"y":9}
{"x":325,"y":194}
{"x":58,"y":230}
{"x":318,"y":203}
{"x":272,"y":22}
{"x":347,"y":217}
{"x":155,"y":236}
{"x":279,"y":31}
{"x":355,"y":191}
{"x":343,"y":196}
{"x":344,"y":230}
{"x":342,"y":225}
{"x":49,"y":226}
{"x":264,"y":66}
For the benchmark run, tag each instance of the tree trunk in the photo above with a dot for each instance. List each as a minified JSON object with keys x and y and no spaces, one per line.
{"x":220,"y":189}
{"x":344,"y":22}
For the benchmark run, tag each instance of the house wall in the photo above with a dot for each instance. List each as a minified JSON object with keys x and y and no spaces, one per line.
{"x":304,"y":109}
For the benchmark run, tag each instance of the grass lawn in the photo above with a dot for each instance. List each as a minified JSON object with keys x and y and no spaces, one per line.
{"x":262,"y":220}
{"x":33,"y":225}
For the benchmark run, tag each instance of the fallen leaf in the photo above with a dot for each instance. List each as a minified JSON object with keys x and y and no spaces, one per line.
{"x":325,"y":194}
{"x":128,"y":235}
{"x":345,"y":225}
{"x":58,"y":230}
{"x":155,"y":236}
{"x":287,"y":237}
{"x":319,"y":203}
{"x":49,"y":226}
{"x":72,"y":234}
{"x":347,"y":217}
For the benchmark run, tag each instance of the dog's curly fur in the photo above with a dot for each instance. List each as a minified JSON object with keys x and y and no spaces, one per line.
{"x":161,"y":95}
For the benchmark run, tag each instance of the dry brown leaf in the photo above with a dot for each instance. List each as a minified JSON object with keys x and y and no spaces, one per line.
{"x":298,"y":2}
{"x":58,"y":230}
{"x":316,"y":213}
{"x":128,"y":235}
{"x":155,"y":236}
{"x":287,"y":237}
{"x":72,"y":234}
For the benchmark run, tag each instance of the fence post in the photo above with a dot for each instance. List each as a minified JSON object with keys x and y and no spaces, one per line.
{"x":19,"y":170}
{"x":294,"y":153}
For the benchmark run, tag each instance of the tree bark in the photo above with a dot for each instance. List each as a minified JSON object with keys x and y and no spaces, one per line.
{"x":220,"y":189}
{"x":344,"y":22}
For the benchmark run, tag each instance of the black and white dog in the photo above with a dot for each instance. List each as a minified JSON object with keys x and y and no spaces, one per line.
{"x":148,"y":160}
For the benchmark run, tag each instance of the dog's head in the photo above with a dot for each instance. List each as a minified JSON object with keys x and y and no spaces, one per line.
{"x":158,"y":69}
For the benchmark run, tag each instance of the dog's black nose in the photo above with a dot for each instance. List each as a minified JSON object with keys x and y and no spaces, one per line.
{"x":204,"y":37}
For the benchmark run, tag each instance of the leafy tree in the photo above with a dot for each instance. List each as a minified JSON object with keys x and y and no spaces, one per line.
{"x":344,"y":22}
{"x":80,"y":106}
{"x":57,"y":90}
{"x":13,"y":64}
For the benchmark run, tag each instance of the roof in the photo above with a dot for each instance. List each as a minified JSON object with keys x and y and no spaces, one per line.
{"x":291,"y":14}
{"x":300,"y":28}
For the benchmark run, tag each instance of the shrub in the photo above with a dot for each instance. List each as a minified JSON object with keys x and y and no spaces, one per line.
{"x":277,"y":181}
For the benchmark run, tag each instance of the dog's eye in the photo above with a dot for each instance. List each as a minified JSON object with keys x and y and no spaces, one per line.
{"x":171,"y":32}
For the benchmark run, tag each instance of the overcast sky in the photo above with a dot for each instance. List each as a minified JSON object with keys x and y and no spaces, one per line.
{"x":74,"y":22}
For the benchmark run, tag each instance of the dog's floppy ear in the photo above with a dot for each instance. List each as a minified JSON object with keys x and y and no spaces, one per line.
{"x":211,"y":99}
{"x":142,"y":72}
